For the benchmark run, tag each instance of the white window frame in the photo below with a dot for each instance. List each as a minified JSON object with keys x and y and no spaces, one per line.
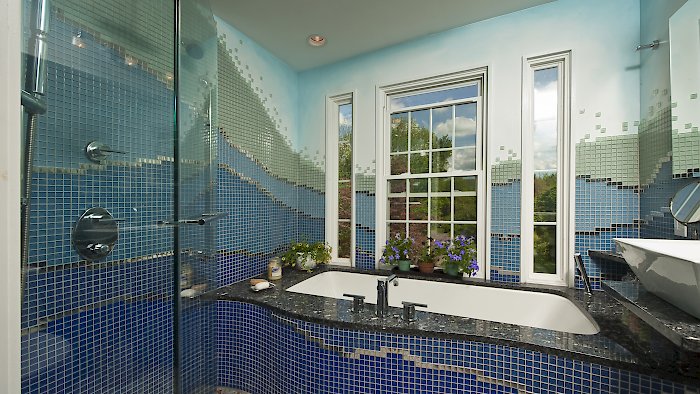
{"x":565,"y":185}
{"x":384,"y":94}
{"x":332,"y":112}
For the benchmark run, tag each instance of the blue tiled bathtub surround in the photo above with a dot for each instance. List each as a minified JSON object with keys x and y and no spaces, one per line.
{"x":625,"y":342}
{"x":263,"y":351}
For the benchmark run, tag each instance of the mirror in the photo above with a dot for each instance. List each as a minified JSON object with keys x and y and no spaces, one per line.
{"x":685,"y":205}
{"x":684,"y":34}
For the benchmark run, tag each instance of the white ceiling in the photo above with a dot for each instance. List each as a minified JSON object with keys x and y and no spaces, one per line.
{"x":352,"y":27}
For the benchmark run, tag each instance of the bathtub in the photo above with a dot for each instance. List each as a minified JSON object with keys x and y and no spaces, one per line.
{"x":524,"y":308}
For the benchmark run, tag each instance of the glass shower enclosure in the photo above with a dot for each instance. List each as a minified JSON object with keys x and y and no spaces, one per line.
{"x":118,"y":196}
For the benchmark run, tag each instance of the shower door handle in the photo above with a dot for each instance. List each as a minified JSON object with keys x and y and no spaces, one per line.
{"x":204,"y":218}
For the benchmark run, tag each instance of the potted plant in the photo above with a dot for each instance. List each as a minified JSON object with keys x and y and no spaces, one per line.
{"x":461,"y":257}
{"x":428,"y":255}
{"x":397,"y":252}
{"x":305,"y":255}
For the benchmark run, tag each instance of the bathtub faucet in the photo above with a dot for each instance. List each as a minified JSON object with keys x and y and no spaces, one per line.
{"x":383,"y":294}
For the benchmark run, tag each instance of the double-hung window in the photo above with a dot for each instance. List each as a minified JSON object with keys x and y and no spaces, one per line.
{"x":433,"y":161}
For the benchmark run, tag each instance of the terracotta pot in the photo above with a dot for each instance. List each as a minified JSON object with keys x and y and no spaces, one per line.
{"x":404,"y":265}
{"x":426,"y":268}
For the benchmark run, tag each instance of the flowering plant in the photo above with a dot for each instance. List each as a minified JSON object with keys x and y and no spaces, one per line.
{"x":320,"y":252}
{"x":461,"y":252}
{"x":430,"y":251}
{"x":396,"y":249}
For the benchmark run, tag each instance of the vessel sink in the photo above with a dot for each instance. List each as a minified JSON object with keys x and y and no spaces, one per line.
{"x":668,"y":268}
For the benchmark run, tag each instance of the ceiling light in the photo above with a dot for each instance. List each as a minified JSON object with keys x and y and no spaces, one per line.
{"x":317,"y":40}
{"x":78,"y":40}
{"x":130,"y":61}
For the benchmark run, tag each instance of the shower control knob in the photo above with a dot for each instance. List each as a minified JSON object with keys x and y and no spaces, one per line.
{"x":99,"y":248}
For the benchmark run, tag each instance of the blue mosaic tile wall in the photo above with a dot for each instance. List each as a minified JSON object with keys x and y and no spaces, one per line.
{"x":267,"y":208}
{"x":505,"y":222}
{"x":312,"y":358}
{"x":107,"y":326}
{"x":604,"y":210}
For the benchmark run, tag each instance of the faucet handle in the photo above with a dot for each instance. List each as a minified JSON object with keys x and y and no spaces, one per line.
{"x":358,"y":302}
{"x":409,"y":310}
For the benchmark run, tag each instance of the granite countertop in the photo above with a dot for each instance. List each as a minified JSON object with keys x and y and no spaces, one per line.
{"x":625,"y":341}
{"x":679,"y":327}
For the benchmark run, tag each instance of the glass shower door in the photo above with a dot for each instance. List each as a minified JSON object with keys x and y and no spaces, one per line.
{"x":119,"y":156}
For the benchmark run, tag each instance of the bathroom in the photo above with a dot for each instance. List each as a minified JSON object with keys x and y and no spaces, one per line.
{"x":174,"y":148}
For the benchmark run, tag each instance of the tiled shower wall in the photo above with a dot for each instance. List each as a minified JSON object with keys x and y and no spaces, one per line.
{"x":106,"y":326}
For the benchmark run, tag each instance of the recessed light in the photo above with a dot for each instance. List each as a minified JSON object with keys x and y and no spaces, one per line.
{"x":317,"y":40}
{"x":78,"y":40}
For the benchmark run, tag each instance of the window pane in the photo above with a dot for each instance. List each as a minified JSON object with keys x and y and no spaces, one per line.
{"x":420,"y":133}
{"x":545,"y":245}
{"x":344,"y":142}
{"x":545,"y":114}
{"x":418,"y":231}
{"x":396,"y":228}
{"x":440,"y":231}
{"x":344,"y":200}
{"x":545,"y":196}
{"x":442,"y":127}
{"x":344,"y":239}
{"x":545,"y":141}
{"x":397,"y":186}
{"x":418,"y":208}
{"x":465,"y":159}
{"x":399,"y":132}
{"x":440,"y":208}
{"x":465,"y":208}
{"x":449,"y":94}
{"x":397,"y":208}
{"x":399,"y":164}
{"x":465,"y":125}
{"x":419,"y":163}
{"x":438,"y":185}
{"x":419,"y":186}
{"x":442,"y":161}
{"x":465,"y":184}
{"x":468,"y":230}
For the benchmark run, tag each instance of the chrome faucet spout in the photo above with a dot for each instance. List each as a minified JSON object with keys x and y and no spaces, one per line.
{"x":383,"y":294}
{"x":581,"y":268}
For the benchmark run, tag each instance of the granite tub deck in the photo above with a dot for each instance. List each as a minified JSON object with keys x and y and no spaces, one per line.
{"x":625,"y":341}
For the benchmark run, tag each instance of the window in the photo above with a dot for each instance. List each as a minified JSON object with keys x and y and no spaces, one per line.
{"x":546,"y":170}
{"x":340,"y":229}
{"x":433,"y":183}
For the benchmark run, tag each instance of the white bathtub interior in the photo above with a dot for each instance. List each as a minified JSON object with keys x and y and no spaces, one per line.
{"x":525,"y":308}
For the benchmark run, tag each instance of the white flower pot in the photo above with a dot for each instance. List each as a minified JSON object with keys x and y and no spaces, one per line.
{"x":306,"y":263}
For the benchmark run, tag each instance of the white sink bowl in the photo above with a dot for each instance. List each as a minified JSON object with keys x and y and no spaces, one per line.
{"x":666,"y":267}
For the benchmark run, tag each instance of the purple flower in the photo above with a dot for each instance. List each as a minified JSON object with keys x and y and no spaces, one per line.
{"x":438,"y":244}
{"x":391,"y":258}
{"x":394,"y":249}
